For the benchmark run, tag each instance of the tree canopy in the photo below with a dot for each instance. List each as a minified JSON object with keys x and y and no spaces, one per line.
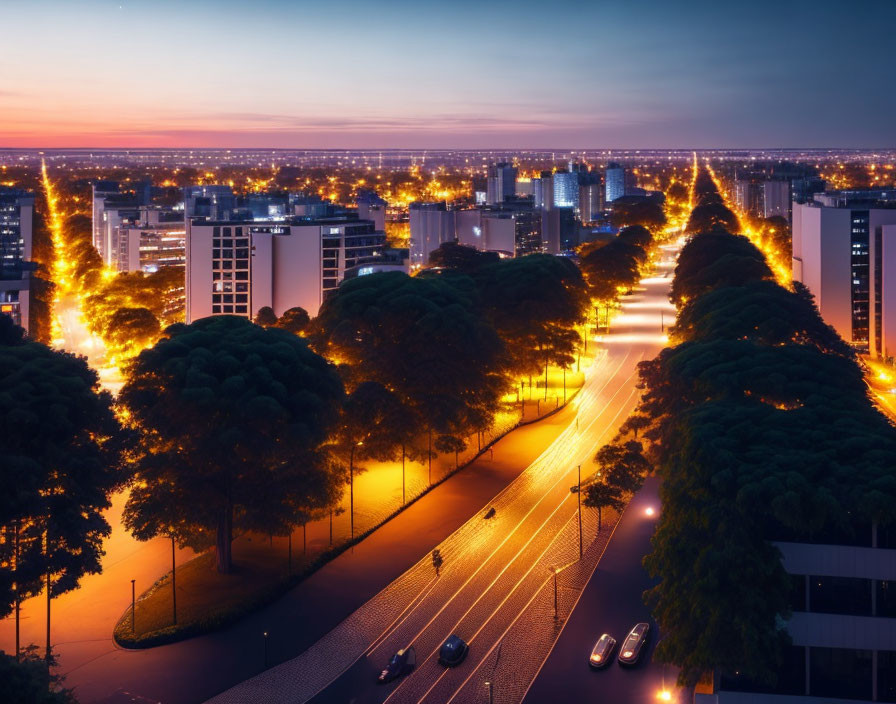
{"x":421,"y":338}
{"x":451,"y":255}
{"x":231,"y":417}
{"x":646,"y":212}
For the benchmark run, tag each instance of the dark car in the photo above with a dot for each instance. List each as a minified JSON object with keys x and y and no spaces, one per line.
{"x":453,"y":651}
{"x":398,"y":666}
{"x":602,"y":653}
{"x":633,"y":644}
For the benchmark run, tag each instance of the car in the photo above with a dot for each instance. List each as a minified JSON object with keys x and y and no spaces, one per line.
{"x":602,"y":653}
{"x":398,"y":666}
{"x":453,"y":651}
{"x":633,"y":644}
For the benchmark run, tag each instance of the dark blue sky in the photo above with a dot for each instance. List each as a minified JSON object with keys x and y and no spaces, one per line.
{"x":552,"y":73}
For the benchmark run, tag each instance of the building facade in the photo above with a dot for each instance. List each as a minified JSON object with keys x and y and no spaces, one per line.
{"x":16,"y":238}
{"x":840,"y":254}
{"x":239,"y":267}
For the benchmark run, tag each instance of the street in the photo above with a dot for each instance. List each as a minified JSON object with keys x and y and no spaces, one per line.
{"x":611,"y":603}
{"x":489,"y":576}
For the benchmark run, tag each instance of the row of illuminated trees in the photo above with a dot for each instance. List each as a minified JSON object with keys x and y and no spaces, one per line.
{"x":759,"y":423}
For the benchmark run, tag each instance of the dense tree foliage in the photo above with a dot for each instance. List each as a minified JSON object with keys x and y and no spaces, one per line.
{"x":535,"y":303}
{"x":424,"y":340}
{"x":635,"y":210}
{"x":232,"y":418}
{"x":761,"y":427}
{"x":459,"y":257}
{"x":59,"y":462}
{"x":266,"y":317}
{"x":30,"y":681}
{"x":295,"y":320}
{"x":715,"y":259}
{"x":611,"y":266}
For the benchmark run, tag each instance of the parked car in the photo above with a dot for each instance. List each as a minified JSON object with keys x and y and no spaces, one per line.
{"x":453,"y":651}
{"x":399,"y":665}
{"x":633,"y":644}
{"x":602,"y":653}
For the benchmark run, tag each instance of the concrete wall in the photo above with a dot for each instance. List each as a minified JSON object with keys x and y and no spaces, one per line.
{"x":297,"y":277}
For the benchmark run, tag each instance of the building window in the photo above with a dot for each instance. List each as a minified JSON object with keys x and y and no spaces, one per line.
{"x":886,"y":676}
{"x":840,"y":595}
{"x":886,"y":598}
{"x":798,"y":592}
{"x":216,"y":309}
{"x":840,"y":672}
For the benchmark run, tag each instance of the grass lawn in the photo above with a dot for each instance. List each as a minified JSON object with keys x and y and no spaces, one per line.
{"x":207,"y":599}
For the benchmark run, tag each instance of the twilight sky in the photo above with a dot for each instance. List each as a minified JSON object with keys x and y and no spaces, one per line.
{"x":355,"y":74}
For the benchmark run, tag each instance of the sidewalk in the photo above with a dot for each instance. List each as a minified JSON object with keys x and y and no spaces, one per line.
{"x":197,"y":669}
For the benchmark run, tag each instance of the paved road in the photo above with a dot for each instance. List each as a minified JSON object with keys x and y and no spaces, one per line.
{"x":611,"y":603}
{"x":489,"y":576}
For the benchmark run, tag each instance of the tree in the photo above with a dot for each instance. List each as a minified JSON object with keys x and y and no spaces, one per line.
{"x":636,"y":235}
{"x":28,"y":680}
{"x":134,"y":328}
{"x":231,"y":418}
{"x":636,"y":210}
{"x":610,"y":266}
{"x":716,"y":259}
{"x":623,"y":466}
{"x":294,"y":320}
{"x":421,"y":338}
{"x":711,"y":216}
{"x":266,"y":317}
{"x":762,"y":311}
{"x":451,"y":255}
{"x":535,"y":303}
{"x":600,"y":495}
{"x":59,"y":468}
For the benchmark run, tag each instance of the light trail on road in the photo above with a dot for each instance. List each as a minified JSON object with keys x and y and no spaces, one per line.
{"x":489,"y":574}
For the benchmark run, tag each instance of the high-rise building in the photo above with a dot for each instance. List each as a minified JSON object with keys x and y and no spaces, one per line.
{"x":501,"y":183}
{"x":543,"y":191}
{"x":431,"y":225}
{"x":213,"y":202}
{"x":614,"y":179}
{"x":239,"y":267}
{"x":763,"y":198}
{"x":591,"y":196}
{"x":566,"y":190}
{"x":16,"y":237}
{"x":840,"y":253}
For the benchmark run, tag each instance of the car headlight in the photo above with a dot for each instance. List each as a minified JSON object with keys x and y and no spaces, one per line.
{"x":627,"y":654}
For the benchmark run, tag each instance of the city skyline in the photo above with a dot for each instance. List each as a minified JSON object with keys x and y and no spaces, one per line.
{"x":144,"y":75}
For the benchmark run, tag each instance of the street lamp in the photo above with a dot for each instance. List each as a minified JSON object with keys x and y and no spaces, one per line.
{"x":133,"y":608}
{"x":555,"y":571}
{"x":490,"y":693}
{"x":265,"y":634}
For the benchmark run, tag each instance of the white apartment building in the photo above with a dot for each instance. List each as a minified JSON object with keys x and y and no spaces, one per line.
{"x":237,"y":268}
{"x":843,"y":255}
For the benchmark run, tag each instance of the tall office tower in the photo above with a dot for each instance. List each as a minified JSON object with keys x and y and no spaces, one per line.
{"x":16,"y":235}
{"x":213,"y":202}
{"x":543,"y":191}
{"x":841,"y":254}
{"x":431,"y":225}
{"x":566,"y":190}
{"x":239,"y":267}
{"x":372,"y":207}
{"x":614,"y":179}
{"x":501,"y":183}
{"x":559,"y":230}
{"x":591,"y":195}
{"x":480,"y":190}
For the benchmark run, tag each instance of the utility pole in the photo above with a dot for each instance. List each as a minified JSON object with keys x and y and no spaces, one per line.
{"x":173,"y":584}
{"x":555,"y":571}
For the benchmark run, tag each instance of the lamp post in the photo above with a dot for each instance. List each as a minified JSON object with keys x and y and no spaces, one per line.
{"x":490,"y":693}
{"x":579,"y":496}
{"x":173,"y":584}
{"x":133,"y":608}
{"x":265,"y":634}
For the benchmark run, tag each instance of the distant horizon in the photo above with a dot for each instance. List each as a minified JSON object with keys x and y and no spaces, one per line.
{"x":214,"y":74}
{"x":444,"y":149}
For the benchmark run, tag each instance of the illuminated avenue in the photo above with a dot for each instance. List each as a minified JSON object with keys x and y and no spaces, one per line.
{"x":447,"y":354}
